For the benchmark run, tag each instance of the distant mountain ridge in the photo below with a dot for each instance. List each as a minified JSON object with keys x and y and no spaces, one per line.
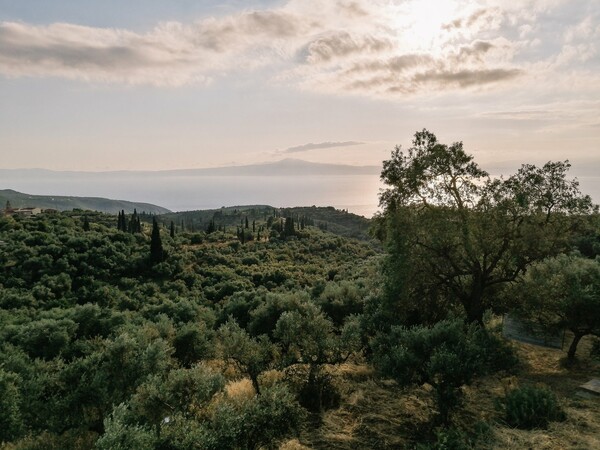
{"x":67,"y":203}
{"x":284,"y":167}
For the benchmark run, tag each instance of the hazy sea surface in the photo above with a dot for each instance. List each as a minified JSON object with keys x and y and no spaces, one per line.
{"x":356,"y":193}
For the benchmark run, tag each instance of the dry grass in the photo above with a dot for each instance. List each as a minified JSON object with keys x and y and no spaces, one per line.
{"x":376,"y":414}
{"x":294,"y":444}
{"x":240,"y":390}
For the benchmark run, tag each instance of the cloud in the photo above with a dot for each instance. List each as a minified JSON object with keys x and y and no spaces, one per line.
{"x":480,"y":15}
{"x":465,"y":78}
{"x":343,"y":44}
{"x":170,"y":54}
{"x":521,"y":114}
{"x":322,"y":145}
{"x":476,"y":50}
{"x":376,"y":48}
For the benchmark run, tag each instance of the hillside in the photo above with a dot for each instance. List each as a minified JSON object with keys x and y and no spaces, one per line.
{"x":230,"y":337}
{"x":68,"y":203}
{"x":375,"y":413}
{"x":336,"y":221}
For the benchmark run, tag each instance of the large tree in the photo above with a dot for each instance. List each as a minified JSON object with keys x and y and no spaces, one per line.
{"x":456,"y":236}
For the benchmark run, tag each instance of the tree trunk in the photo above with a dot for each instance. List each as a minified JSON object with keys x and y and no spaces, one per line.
{"x":254,"y":379}
{"x":573,"y":346}
{"x":474,"y":310}
{"x":473,"y":303}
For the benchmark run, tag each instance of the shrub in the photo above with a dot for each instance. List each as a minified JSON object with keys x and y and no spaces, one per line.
{"x":256,"y":423}
{"x":447,"y":355}
{"x":11,"y":424}
{"x":532,"y":407}
{"x":121,"y":435}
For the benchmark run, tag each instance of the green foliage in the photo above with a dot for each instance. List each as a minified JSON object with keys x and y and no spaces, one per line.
{"x":86,"y":323}
{"x":563,"y":292}
{"x":156,"y":248}
{"x":184,"y":391}
{"x":446,"y":355}
{"x":260,"y":421}
{"x":456,"y":237}
{"x":193,"y":342}
{"x":11,"y":421}
{"x":532,"y":407}
{"x":308,"y":337}
{"x":341,"y":299}
{"x":45,"y":338}
{"x":119,"y":435}
{"x":252,"y":355}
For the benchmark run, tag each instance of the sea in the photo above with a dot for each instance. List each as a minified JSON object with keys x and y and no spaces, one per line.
{"x":179,"y":192}
{"x":356,"y":193}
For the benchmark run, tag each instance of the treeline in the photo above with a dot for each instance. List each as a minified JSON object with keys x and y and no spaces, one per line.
{"x":339,"y":222}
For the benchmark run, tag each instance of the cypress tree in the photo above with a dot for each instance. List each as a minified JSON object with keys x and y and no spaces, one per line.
{"x":211,"y":227}
{"x":247,"y":222}
{"x":289,"y":229}
{"x":86,"y":224}
{"x":134,"y":225}
{"x":172,"y":232}
{"x":156,"y":249}
{"x":122,"y":226}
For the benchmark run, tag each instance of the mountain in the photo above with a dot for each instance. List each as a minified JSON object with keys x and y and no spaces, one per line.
{"x":285,"y":167}
{"x":64,"y":203}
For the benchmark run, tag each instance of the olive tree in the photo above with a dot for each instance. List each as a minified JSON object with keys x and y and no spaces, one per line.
{"x":308,"y":337}
{"x":563,"y":292}
{"x":456,"y":235}
{"x":252,"y":356}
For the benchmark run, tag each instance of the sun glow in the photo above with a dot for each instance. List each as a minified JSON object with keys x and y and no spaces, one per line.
{"x":420,"y":23}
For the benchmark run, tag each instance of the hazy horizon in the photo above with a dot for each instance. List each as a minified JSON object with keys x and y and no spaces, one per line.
{"x":151,"y":85}
{"x":286,"y":184}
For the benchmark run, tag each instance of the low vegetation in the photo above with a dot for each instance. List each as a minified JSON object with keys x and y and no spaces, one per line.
{"x":248,"y":328}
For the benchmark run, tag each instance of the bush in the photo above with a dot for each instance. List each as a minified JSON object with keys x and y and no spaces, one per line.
{"x":532,"y":407}
{"x":447,"y":355}
{"x":253,"y":424}
{"x":121,"y":435}
{"x":11,"y":424}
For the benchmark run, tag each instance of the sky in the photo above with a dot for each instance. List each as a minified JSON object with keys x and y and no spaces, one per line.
{"x":98,"y":85}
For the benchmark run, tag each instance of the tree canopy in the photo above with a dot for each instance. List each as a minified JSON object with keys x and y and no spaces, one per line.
{"x":456,"y":236}
{"x":563,"y":292}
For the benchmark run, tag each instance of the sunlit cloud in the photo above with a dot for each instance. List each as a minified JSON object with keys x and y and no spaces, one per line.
{"x":370,"y":48}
